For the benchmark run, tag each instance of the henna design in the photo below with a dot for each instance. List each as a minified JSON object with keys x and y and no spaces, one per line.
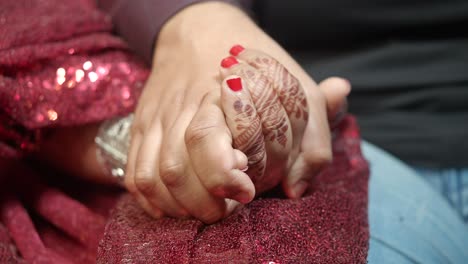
{"x":288,"y":88}
{"x":250,"y":139}
{"x":272,"y":88}
{"x":274,"y":124}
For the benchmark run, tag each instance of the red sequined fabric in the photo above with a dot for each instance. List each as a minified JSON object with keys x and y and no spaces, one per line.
{"x":60,"y":66}
{"x":329,"y":225}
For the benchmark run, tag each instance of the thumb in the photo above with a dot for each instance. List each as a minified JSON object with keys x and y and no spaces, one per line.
{"x":335,"y":90}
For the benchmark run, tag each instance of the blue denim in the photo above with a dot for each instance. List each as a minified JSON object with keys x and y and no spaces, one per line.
{"x":452,"y":184}
{"x":410,"y":222}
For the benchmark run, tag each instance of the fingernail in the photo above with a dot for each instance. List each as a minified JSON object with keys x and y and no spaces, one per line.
{"x":228,"y":62}
{"x":235,"y":84}
{"x":299,"y":188}
{"x":245,"y":169}
{"x":242,"y":197}
{"x":236,"y":49}
{"x":184,"y":213}
{"x":232,"y":207}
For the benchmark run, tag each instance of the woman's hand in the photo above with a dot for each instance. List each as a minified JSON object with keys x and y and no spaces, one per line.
{"x":283,"y":111}
{"x":211,"y":169}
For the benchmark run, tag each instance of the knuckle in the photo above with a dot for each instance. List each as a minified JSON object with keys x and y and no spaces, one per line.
{"x":144,"y":181}
{"x":215,"y":186}
{"x":293,"y":81}
{"x":137,"y":127}
{"x":256,"y":150}
{"x":194,"y":135}
{"x":257,"y":156}
{"x":219,"y":185}
{"x":172,"y":174}
{"x":129,"y":183}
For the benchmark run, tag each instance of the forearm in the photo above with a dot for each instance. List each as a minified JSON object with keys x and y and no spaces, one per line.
{"x":73,"y":150}
{"x":148,"y":16}
{"x":212,"y":28}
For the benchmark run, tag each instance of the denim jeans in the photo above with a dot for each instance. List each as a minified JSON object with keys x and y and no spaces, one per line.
{"x":452,"y":184}
{"x":410,"y":222}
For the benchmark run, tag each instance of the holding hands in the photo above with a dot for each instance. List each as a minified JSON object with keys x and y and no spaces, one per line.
{"x":203,"y":159}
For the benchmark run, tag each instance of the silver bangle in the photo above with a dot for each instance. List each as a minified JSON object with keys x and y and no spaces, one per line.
{"x":113,"y":141}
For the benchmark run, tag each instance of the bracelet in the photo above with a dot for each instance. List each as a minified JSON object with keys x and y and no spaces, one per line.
{"x":113,"y":141}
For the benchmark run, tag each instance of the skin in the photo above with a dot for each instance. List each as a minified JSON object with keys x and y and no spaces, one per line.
{"x":189,"y":147}
{"x":282,"y":106}
{"x":167,"y":177}
{"x":240,"y":113}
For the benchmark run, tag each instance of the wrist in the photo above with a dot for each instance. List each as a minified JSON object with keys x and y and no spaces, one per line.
{"x":206,"y":31}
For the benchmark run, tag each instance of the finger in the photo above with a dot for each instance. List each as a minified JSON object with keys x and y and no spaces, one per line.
{"x":242,"y":160}
{"x":274,"y":119}
{"x":214,"y":160}
{"x":129,"y":179}
{"x":315,"y":148}
{"x":245,"y":125}
{"x":180,"y":179}
{"x":315,"y":153}
{"x":288,"y":88}
{"x":146,"y":174}
{"x":276,"y":127}
{"x":306,"y":108}
{"x":275,"y":122}
{"x":335,"y":90}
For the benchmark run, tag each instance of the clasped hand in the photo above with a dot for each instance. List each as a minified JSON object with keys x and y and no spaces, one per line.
{"x":202,"y":146}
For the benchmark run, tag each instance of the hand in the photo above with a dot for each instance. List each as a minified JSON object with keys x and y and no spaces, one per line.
{"x":181,"y":150}
{"x":283,"y":111}
{"x":181,"y":159}
{"x":161,"y":169}
{"x":198,"y":164}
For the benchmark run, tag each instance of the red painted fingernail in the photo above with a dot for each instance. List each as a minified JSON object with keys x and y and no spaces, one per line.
{"x":236,"y":49}
{"x":235,"y":84}
{"x":228,"y":62}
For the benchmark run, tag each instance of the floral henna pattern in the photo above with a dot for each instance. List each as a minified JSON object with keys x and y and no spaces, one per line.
{"x":274,"y":124}
{"x":250,"y":139}
{"x":288,"y":88}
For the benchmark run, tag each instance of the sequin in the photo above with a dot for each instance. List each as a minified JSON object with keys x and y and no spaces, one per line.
{"x":52,"y":115}
{"x":125,"y":92}
{"x":39,"y":117}
{"x":87,"y":65}
{"x":70,"y":84}
{"x":93,"y":76}
{"x":102,"y":70}
{"x":60,"y":80}
{"x":61,"y":72}
{"x":65,"y":69}
{"x":79,"y":75}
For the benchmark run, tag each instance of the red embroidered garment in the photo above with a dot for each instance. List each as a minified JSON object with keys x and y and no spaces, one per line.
{"x":60,"y":66}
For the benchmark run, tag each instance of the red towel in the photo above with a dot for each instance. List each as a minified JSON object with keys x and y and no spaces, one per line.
{"x":60,"y":66}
